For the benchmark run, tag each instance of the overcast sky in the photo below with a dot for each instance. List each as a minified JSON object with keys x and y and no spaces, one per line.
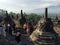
{"x":26,"y":5}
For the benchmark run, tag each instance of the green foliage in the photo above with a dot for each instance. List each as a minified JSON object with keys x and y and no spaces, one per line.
{"x":33,"y":18}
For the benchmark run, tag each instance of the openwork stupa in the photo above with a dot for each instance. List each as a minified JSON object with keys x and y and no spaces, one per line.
{"x":44,"y":34}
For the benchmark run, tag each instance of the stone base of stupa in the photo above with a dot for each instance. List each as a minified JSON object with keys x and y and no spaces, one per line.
{"x":43,"y":38}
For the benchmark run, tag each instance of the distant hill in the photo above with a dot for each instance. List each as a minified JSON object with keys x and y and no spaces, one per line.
{"x":51,"y":10}
{"x":54,"y":9}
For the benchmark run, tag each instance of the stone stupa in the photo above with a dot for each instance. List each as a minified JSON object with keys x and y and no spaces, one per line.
{"x":44,"y":34}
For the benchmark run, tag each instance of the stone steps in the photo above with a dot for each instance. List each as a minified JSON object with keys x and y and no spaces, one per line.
{"x":44,"y":43}
{"x":46,"y":38}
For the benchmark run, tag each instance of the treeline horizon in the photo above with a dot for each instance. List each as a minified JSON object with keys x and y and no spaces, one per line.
{"x":33,"y":18}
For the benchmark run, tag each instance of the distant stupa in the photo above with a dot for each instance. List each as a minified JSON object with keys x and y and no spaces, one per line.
{"x":23,"y":19}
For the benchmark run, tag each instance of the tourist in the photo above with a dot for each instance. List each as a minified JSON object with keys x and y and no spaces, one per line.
{"x":18,"y":34}
{"x":2,"y":30}
{"x":28,"y":28}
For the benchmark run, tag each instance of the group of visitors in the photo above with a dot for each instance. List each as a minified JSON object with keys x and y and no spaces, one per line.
{"x":9,"y":24}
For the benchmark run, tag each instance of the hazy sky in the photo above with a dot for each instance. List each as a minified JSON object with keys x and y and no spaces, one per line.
{"x":26,"y":5}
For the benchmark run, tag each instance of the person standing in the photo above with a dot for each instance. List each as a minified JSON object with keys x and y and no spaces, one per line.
{"x":2,"y":30}
{"x":28,"y":28}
